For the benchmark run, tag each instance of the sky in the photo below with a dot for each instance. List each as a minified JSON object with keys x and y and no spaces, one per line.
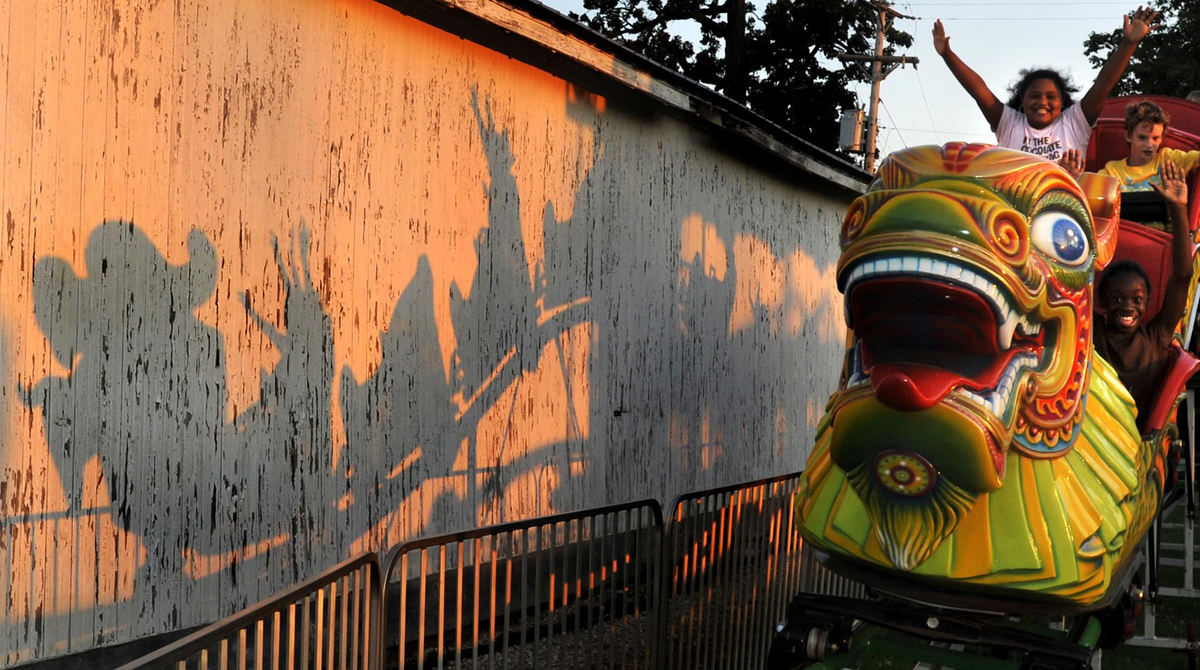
{"x":926,"y":105}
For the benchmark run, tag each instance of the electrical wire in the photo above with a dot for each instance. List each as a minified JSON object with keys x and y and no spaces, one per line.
{"x":928,"y":112}
{"x":1019,"y":18}
{"x":892,"y":121}
{"x":1009,"y":4}
{"x":955,"y":133}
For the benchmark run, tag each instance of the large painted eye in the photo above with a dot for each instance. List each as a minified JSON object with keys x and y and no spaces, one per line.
{"x":1058,"y":235}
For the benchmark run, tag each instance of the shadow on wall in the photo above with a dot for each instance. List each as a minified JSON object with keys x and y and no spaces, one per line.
{"x":411,"y":426}
{"x":199,"y":508}
{"x":177,"y":512}
{"x":146,"y":397}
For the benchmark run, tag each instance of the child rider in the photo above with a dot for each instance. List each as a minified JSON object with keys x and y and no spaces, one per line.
{"x":1145,"y":123}
{"x":1138,"y":349}
{"x":1040,"y":117}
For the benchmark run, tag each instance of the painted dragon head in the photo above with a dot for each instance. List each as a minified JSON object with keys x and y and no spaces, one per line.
{"x":966,"y":271}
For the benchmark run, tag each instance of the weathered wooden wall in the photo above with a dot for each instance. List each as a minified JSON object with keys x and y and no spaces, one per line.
{"x":287,"y":279}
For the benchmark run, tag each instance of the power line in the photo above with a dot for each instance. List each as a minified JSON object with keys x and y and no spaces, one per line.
{"x":954,"y":133}
{"x":888,"y":137}
{"x":1020,"y":18}
{"x":914,"y":6}
{"x":1009,"y":4}
{"x":928,"y":112}
{"x":889,"y":114}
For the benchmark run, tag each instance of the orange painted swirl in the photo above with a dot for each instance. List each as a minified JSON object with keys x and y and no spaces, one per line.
{"x":1009,"y":236}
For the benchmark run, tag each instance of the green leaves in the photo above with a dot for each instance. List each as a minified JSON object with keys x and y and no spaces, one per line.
{"x":1167,"y":62}
{"x":785,"y":56}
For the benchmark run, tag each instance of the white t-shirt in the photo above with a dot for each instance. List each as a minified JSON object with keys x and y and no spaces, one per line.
{"x":1069,"y":131}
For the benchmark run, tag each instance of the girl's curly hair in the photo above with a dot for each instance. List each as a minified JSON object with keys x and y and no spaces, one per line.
{"x":1060,"y":81}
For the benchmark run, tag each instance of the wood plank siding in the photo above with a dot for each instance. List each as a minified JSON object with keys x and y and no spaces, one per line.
{"x":284,"y":280}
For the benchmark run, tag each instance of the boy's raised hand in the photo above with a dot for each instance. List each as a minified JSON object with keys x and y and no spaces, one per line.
{"x":1174,"y":186}
{"x":1138,"y":25}
{"x":940,"y":41}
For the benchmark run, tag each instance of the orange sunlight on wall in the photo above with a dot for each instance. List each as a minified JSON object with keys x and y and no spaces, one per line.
{"x":546,"y":406}
{"x":265,"y":117}
{"x":792,"y":288}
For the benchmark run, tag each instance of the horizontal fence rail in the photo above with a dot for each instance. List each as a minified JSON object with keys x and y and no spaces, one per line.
{"x":612,"y":587}
{"x":328,"y":622}
{"x":734,"y":561}
{"x":571,"y":590}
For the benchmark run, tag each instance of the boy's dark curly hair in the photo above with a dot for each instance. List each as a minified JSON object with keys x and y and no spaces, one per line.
{"x":1061,"y":82}
{"x":1144,"y":111}
{"x":1120,"y":268}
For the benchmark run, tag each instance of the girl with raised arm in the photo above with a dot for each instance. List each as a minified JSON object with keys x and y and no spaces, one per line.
{"x":1041,"y":118}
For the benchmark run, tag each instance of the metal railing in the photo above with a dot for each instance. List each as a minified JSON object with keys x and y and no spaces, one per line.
{"x":328,"y":622}
{"x":571,"y":590}
{"x":605,"y":588}
{"x":608,"y":588}
{"x":735,"y":560}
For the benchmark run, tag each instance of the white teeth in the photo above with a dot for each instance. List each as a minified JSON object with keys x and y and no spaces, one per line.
{"x":1000,"y":399}
{"x":1010,"y":321}
{"x":1013,"y":324}
{"x":856,"y":369}
{"x":1004,"y":334}
{"x":997,"y":296}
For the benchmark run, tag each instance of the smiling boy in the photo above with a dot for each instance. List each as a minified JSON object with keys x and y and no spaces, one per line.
{"x":1145,"y":123}
{"x":1138,"y":349}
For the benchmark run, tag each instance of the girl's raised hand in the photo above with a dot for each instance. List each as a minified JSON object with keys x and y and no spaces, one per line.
{"x":940,"y":41}
{"x":1138,"y":25}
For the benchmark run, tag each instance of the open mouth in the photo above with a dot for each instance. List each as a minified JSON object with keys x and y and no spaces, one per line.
{"x":1127,"y":320}
{"x":927,"y":327}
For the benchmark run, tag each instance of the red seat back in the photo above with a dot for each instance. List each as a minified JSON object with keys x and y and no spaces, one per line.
{"x":1108,"y":143}
{"x":1151,"y":249}
{"x":1174,"y":380}
{"x":1108,"y":136}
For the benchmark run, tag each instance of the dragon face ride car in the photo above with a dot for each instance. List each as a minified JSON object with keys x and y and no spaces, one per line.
{"x":977,"y":445}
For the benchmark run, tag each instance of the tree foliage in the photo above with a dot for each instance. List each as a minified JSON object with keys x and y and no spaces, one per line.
{"x":1167,"y":62}
{"x":782,"y":63}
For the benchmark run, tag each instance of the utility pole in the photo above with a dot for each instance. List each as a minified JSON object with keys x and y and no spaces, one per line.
{"x":735,"y":40}
{"x":878,"y":74}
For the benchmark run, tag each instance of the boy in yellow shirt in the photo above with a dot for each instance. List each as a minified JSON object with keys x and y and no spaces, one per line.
{"x":1145,"y":123}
